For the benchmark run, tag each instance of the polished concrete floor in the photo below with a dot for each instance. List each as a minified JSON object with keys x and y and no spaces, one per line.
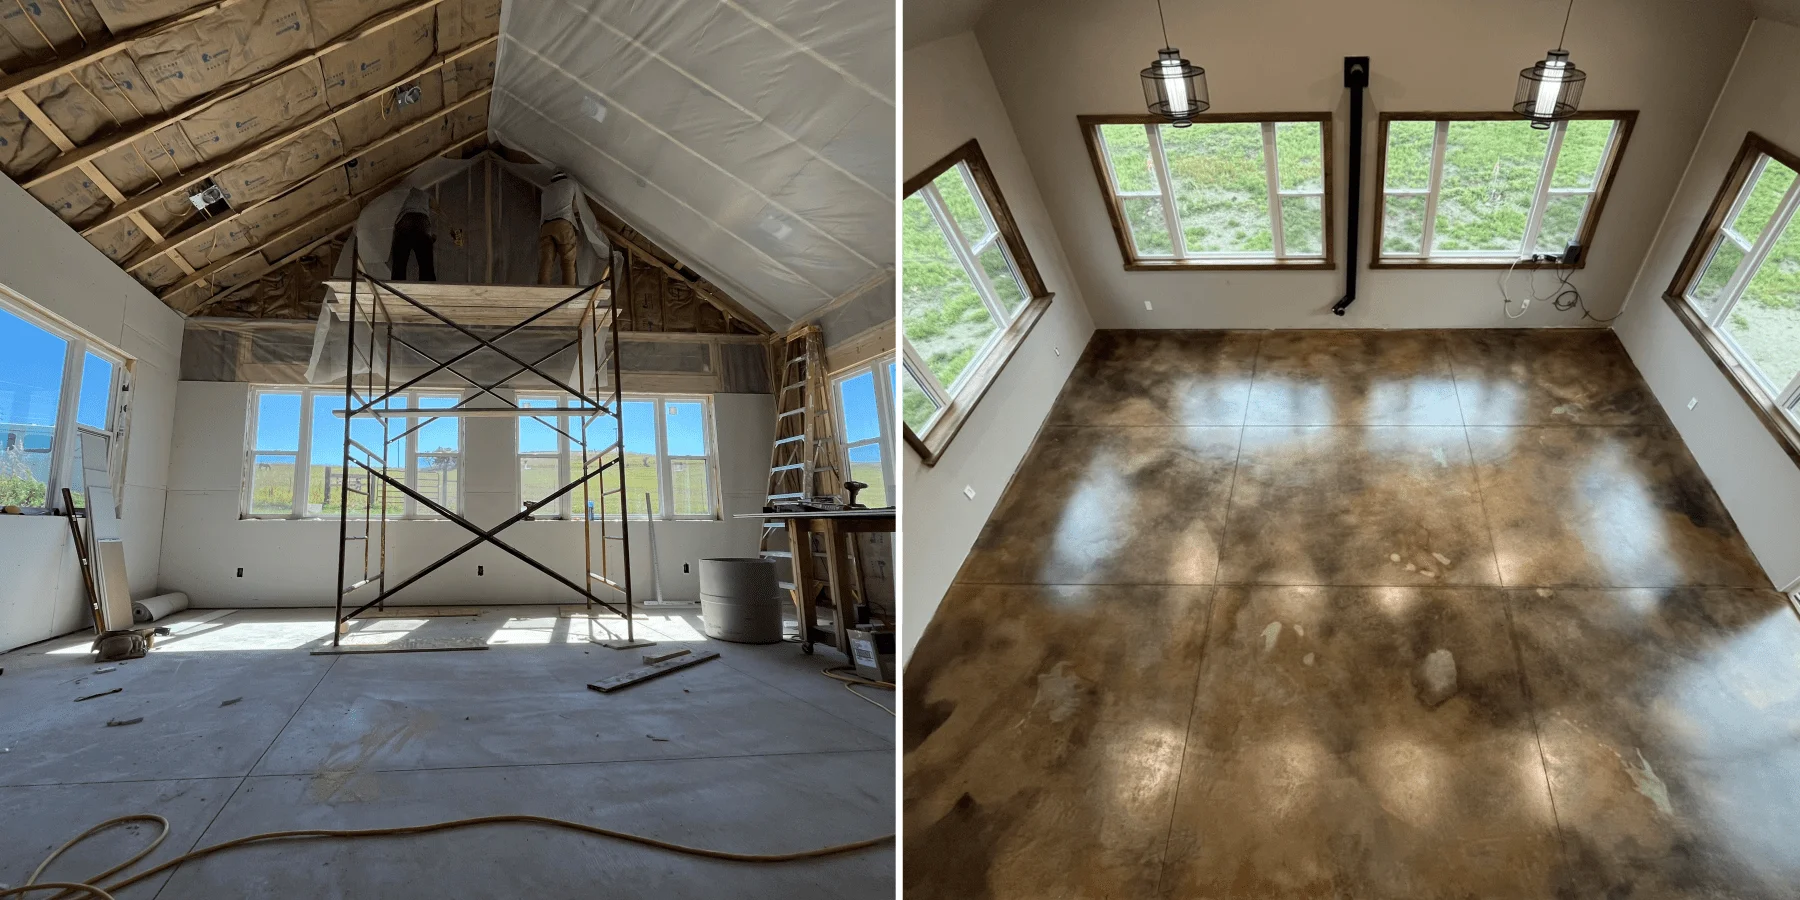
{"x":1356,"y":615}
{"x":243,"y":731}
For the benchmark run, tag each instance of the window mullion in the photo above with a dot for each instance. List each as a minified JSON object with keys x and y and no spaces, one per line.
{"x":565,"y":505}
{"x":1160,"y":162}
{"x":1440,"y":137}
{"x":410,"y":508}
{"x":1272,"y":172}
{"x":664,"y":471}
{"x":922,"y":373}
{"x":1786,"y":398}
{"x":1534,"y":223}
{"x":965,"y":255}
{"x":884,"y":410}
{"x":303,"y":455}
{"x":68,"y":400}
{"x":1734,"y":289}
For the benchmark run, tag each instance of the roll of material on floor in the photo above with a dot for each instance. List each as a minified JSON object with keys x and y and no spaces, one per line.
{"x":739,"y":600}
{"x":160,"y":606}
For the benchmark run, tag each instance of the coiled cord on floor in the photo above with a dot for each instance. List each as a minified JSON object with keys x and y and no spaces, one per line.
{"x":851,"y":682}
{"x":93,"y":891}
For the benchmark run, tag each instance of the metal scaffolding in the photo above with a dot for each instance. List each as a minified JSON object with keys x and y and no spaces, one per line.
{"x":370,"y":316}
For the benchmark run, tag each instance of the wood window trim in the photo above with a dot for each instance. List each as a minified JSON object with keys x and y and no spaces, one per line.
{"x":1627,"y":119}
{"x":951,"y":418}
{"x":1090,"y":133}
{"x":1777,"y":422}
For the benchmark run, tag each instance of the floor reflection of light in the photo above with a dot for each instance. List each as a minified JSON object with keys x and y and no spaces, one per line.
{"x":1092,"y":523}
{"x":1730,"y":735}
{"x":1396,"y":602}
{"x":1144,"y":764}
{"x":1624,"y":508}
{"x":1410,"y":778}
{"x":1290,"y":772}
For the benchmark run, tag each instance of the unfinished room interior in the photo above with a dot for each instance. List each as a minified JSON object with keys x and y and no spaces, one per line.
{"x":445,"y":448}
{"x":1352,"y":449}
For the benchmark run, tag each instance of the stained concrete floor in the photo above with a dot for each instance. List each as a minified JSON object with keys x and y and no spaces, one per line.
{"x":1187,"y":655}
{"x":244,"y":731}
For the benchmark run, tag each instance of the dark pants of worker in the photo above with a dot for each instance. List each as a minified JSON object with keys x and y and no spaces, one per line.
{"x":412,"y":235}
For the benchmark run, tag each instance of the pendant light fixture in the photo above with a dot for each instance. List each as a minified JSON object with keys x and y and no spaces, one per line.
{"x":1550,"y":91}
{"x":1174,"y":88}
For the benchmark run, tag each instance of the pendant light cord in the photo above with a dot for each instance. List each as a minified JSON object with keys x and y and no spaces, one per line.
{"x":1165,"y":22}
{"x":1559,"y":39}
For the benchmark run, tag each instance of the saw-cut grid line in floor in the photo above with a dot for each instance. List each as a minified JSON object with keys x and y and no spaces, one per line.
{"x":1359,"y":614}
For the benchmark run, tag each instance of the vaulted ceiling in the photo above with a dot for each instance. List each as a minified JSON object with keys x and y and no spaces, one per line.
{"x":751,"y":139}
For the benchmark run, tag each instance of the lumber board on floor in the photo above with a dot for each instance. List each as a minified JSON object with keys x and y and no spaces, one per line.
{"x":654,"y":670}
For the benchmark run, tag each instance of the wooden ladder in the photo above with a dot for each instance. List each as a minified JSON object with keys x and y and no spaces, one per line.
{"x":803,"y":462}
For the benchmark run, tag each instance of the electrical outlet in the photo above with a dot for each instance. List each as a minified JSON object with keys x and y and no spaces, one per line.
{"x":480,"y":571}
{"x":1056,"y":350}
{"x":969,"y":491}
{"x":1693,"y":402}
{"x":1147,"y":305}
{"x":241,"y":568}
{"x":684,"y":569}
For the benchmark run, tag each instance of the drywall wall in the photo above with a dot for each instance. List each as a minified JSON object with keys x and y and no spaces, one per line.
{"x":1055,"y":59}
{"x":292,"y":563}
{"x":41,"y":259}
{"x":950,"y":98}
{"x":1757,"y":481}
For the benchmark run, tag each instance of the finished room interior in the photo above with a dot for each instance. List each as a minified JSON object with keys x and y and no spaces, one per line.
{"x":462,"y":423}
{"x":1352,"y":449}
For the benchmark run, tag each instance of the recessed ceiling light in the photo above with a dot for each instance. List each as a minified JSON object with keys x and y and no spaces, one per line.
{"x":593,"y":109}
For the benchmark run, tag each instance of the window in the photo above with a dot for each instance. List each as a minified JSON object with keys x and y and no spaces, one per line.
{"x":668,"y":458}
{"x":865,"y":403}
{"x":1739,"y":286}
{"x":295,"y":461}
{"x":1226,"y":192}
{"x":1489,"y":190}
{"x":53,"y":384}
{"x":970,"y":294}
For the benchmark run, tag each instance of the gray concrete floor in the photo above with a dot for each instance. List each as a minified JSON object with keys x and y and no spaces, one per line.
{"x":244,"y":731}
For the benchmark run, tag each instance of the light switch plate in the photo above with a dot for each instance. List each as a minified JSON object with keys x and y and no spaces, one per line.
{"x":969,"y":491}
{"x":1147,"y":305}
{"x":1693,"y":402}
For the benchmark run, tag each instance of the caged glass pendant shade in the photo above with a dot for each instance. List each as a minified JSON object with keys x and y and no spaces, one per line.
{"x":1175,"y":88}
{"x":1549,"y":91}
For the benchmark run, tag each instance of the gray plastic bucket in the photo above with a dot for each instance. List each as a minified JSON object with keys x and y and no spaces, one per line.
{"x":739,"y":600}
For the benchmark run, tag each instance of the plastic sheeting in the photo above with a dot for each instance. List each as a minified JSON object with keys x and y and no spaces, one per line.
{"x":754,"y":138}
{"x":514,"y":224}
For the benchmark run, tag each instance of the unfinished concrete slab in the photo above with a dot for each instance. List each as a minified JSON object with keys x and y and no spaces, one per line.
{"x":756,"y":752}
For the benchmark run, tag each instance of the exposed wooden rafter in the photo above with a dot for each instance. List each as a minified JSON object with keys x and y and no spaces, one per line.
{"x":725,"y":304}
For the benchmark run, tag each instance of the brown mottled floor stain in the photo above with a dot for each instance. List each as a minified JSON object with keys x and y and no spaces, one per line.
{"x":1087,"y":718}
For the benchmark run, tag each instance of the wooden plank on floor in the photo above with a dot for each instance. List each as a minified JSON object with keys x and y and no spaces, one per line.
{"x":637,"y":676}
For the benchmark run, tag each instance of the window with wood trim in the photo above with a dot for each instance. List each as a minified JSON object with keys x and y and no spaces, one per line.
{"x":1229,"y":191}
{"x":1477,"y":189}
{"x":969,"y":294}
{"x":54,"y":384}
{"x":1740,"y":281}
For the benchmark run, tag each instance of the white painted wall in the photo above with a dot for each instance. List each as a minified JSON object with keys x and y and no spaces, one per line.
{"x":1754,"y":477}
{"x":292,"y":563}
{"x":949,"y":99}
{"x":41,"y":593}
{"x":1055,"y":59}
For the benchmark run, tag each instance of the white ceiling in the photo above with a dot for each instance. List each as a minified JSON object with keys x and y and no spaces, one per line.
{"x":754,"y":139}
{"x":929,"y":20}
{"x":1780,"y":10}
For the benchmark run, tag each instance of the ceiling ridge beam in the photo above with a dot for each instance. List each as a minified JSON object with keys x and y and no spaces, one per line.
{"x":355,"y":199}
{"x":557,"y":124}
{"x":213,"y":224}
{"x":76,"y":156}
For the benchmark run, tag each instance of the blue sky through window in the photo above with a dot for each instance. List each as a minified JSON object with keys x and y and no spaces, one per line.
{"x":31,"y":372}
{"x":640,"y":426}
{"x":687,"y":428}
{"x":278,"y":422}
{"x":96,"y":392}
{"x":862,"y":421}
{"x":535,"y":436}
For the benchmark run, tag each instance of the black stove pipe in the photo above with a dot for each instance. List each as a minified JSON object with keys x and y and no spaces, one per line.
{"x":1356,"y":78}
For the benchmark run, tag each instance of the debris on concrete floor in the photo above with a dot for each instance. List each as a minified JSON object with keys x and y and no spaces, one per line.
{"x":232,"y":702}
{"x":105,"y":669}
{"x":101,"y":694}
{"x":635,"y":676}
{"x":1435,"y":678}
{"x":660,"y":657}
{"x":114,"y":723}
{"x":655,"y":738}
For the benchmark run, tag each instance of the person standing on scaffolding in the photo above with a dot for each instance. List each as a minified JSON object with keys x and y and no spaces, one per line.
{"x":557,"y":236}
{"x":413,"y":237}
